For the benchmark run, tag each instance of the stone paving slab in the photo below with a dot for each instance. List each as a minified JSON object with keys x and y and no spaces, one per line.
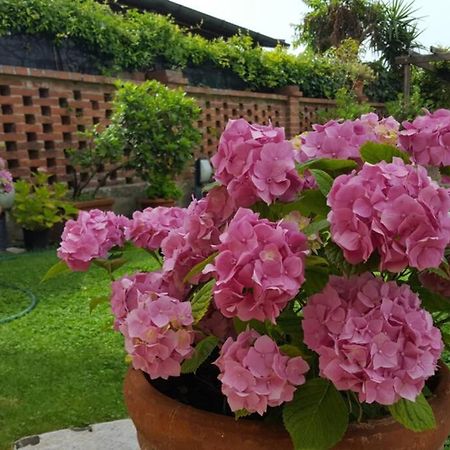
{"x":117,"y":435}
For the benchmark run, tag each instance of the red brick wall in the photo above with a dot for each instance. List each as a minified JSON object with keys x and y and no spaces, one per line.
{"x":42,"y":111}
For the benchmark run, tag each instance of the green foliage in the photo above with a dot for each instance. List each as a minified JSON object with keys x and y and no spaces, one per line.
{"x":317,"y":417}
{"x":133,"y":40}
{"x":202,"y":350}
{"x":408,"y":111}
{"x":374,"y":152}
{"x":104,"y":148}
{"x":323,"y":180}
{"x":201,"y":299}
{"x":40,"y":205}
{"x":417,"y":416}
{"x":154,"y":126}
{"x":347,"y":107}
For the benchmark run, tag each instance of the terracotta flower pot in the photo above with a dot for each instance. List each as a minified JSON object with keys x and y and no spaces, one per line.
{"x":104,"y":204}
{"x":165,"y":424}
{"x":155,"y":202}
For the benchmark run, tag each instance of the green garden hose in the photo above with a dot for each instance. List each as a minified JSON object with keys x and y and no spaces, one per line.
{"x":30,"y":307}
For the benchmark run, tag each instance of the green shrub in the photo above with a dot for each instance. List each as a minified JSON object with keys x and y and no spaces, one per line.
{"x":39,"y":205}
{"x":138,"y":41}
{"x":154,"y":125}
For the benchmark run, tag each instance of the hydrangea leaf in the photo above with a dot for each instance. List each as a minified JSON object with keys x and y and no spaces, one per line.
{"x":241,"y":413}
{"x":328,"y":165}
{"x":417,"y":416}
{"x":198,"y":268}
{"x":57,"y":269}
{"x":98,"y":301}
{"x":202,"y":350}
{"x":201,"y":300}
{"x":317,"y":417}
{"x":323,"y":180}
{"x":373,"y":152}
{"x":316,"y":226}
{"x":433,"y":302}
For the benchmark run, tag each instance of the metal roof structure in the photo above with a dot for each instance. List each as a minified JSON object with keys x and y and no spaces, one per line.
{"x":200,"y":23}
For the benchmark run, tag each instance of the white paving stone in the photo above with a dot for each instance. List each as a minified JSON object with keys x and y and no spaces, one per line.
{"x":117,"y":435}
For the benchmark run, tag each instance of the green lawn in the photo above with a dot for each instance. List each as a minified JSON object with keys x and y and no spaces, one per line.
{"x":60,"y":366}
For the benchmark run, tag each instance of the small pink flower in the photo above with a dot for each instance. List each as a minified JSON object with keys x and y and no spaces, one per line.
{"x":92,"y":235}
{"x":372,"y":337}
{"x":158,"y":335}
{"x":255,"y":374}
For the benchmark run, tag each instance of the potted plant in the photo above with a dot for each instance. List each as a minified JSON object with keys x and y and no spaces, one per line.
{"x":102,"y":157}
{"x":303,"y":303}
{"x":155,"y":126}
{"x":38,"y":207}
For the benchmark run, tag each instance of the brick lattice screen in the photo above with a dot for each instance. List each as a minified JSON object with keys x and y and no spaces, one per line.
{"x":42,"y":111}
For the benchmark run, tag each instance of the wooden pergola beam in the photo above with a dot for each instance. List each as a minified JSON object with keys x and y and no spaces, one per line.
{"x":417,"y":59}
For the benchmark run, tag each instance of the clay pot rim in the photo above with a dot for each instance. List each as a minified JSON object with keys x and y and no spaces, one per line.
{"x":357,"y":429}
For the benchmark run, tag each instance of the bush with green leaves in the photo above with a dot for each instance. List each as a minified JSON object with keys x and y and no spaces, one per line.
{"x":154,"y":126}
{"x":132,"y":40}
{"x":40,"y":205}
{"x":103,"y":156}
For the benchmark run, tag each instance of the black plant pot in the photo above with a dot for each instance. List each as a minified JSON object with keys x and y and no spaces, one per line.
{"x":36,"y":239}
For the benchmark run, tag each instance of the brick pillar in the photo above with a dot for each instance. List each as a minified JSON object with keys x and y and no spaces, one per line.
{"x":293,"y":93}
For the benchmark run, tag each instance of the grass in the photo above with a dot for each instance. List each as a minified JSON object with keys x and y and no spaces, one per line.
{"x":60,"y":366}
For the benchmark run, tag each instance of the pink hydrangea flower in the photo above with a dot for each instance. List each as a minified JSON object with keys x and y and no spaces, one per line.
{"x":343,"y":139}
{"x":128,"y":290}
{"x":255,"y":374}
{"x":256,"y":162}
{"x":393,"y":208}
{"x":6,"y":179}
{"x":158,"y":335}
{"x":259,"y":268}
{"x":427,"y":138}
{"x":372,"y":338}
{"x":148,"y":228}
{"x":92,"y":235}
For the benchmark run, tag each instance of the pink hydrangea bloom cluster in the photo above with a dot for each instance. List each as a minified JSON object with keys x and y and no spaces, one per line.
{"x":148,"y":228}
{"x":196,"y":239}
{"x":259,"y":268}
{"x":372,"y":338}
{"x":92,"y":235}
{"x":127,"y":291}
{"x":6,"y":180}
{"x":392,"y":208}
{"x":255,"y":374}
{"x":256,"y":162}
{"x":427,"y":138}
{"x":343,"y":139}
{"x":158,"y":334}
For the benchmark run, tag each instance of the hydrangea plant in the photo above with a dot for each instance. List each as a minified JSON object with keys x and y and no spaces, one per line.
{"x":313,"y":276}
{"x":6,"y":179}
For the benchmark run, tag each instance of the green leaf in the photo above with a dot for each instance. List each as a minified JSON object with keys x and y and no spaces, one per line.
{"x":110,"y":265}
{"x":317,"y":417}
{"x":311,"y":202}
{"x":57,"y":269}
{"x":323,"y":180}
{"x":240,"y":325}
{"x":202,"y":350}
{"x":291,"y":350}
{"x":433,"y":302}
{"x":416,"y":416}
{"x":97,"y":301}
{"x":313,"y":260}
{"x":373,"y":152}
{"x":241,"y":413}
{"x":316,"y":278}
{"x":328,"y":165}
{"x":316,"y":226}
{"x":199,"y":267}
{"x":201,"y":299}
{"x":439,"y":272}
